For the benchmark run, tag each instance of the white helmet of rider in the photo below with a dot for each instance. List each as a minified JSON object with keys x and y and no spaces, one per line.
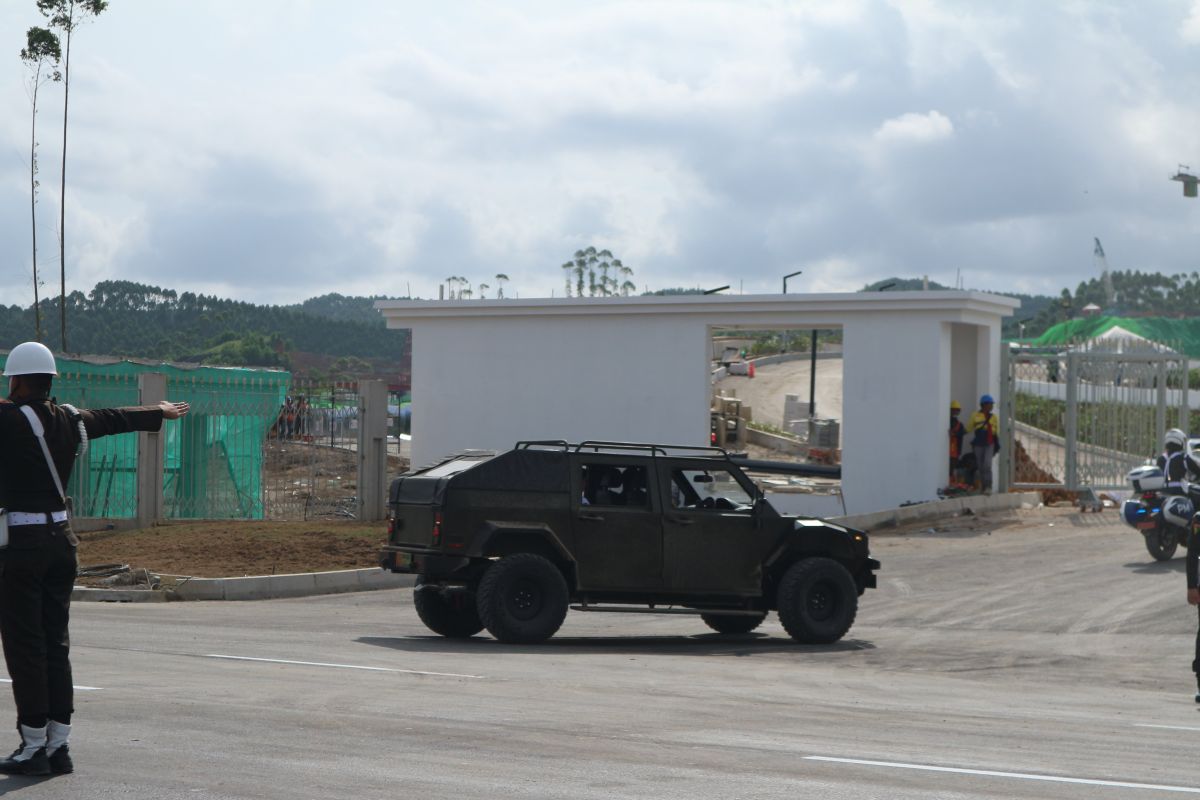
{"x":30,"y":358}
{"x":1175,"y":439}
{"x":1178,"y":511}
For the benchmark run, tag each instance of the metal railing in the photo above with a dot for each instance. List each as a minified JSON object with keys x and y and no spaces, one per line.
{"x":1082,"y":418}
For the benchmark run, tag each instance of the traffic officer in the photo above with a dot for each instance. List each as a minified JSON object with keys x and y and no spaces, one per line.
{"x":1193,"y":588}
{"x":38,"y":565}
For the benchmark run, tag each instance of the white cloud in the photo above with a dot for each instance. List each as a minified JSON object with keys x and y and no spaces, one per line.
{"x":918,"y":128}
{"x":1190,"y":31}
{"x":704,"y":142}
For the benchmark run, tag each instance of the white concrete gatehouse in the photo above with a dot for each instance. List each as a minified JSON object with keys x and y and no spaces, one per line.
{"x":487,"y":373}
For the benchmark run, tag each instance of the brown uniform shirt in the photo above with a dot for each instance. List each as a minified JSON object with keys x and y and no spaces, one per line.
{"x":25,"y":482}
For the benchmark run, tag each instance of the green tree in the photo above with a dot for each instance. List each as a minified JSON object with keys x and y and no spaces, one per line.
{"x":591,"y":267}
{"x":42,"y":54}
{"x":66,"y":16}
{"x":501,"y":279}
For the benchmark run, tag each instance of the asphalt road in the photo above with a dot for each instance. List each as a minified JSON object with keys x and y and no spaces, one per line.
{"x":1039,"y":659}
{"x":765,"y":392}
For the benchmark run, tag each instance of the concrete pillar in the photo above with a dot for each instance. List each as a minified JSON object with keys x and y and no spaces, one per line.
{"x":372,"y":450}
{"x":896,"y":387}
{"x":152,"y":389}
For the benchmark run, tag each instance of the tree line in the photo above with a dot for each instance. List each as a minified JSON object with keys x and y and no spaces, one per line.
{"x":123,"y":318}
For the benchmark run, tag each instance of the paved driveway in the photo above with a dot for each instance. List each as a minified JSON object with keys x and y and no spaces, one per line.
{"x":1045,"y":658}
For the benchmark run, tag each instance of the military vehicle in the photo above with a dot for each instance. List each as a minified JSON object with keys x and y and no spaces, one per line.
{"x":510,"y":541}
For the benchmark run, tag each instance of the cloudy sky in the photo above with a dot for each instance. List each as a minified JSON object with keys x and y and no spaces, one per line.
{"x":273,"y":150}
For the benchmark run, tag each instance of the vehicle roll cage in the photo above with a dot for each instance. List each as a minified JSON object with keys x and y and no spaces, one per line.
{"x":596,"y":446}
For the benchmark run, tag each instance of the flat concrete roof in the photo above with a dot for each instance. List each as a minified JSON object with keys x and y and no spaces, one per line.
{"x":717,"y":309}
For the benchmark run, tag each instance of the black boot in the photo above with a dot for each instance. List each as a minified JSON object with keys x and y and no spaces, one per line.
{"x":60,"y":761}
{"x":57,"y":734}
{"x":30,"y":758}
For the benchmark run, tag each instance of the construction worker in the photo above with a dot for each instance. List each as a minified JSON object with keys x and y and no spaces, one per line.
{"x":985,"y":442}
{"x":40,"y":440}
{"x":957,"y":432}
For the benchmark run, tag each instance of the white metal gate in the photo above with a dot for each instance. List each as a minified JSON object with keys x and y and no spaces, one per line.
{"x":1075,"y":419}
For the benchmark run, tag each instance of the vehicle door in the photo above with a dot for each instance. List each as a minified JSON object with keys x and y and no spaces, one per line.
{"x":615,"y":523}
{"x":710,"y":541}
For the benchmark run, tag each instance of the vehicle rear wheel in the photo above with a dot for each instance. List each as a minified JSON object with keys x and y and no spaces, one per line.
{"x":522,"y":599}
{"x":817,"y":601}
{"x":733,"y":623}
{"x":452,"y":615}
{"x":1161,"y":543}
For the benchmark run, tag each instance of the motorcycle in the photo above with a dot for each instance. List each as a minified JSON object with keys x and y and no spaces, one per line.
{"x":1163,"y":519}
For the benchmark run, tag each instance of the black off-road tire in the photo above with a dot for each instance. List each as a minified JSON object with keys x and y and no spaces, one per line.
{"x":733,"y":623}
{"x":454,"y":616}
{"x":1161,"y":543}
{"x":522,"y":599}
{"x":818,"y":601}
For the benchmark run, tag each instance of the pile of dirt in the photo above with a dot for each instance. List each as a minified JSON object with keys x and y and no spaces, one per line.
{"x":235,"y":548}
{"x":1026,"y":470}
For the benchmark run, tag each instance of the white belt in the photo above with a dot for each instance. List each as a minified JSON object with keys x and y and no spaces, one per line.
{"x":35,"y":518}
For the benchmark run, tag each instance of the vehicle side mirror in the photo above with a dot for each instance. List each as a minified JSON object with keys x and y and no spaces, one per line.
{"x":703,"y":479}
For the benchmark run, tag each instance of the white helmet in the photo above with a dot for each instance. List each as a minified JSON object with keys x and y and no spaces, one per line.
{"x":1173,"y":437}
{"x":30,"y":358}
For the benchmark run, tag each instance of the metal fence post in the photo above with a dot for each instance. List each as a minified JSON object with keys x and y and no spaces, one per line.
{"x":1185,"y":407}
{"x":152,"y":389}
{"x":1071,"y":426}
{"x":372,"y":450}
{"x":1160,"y":418}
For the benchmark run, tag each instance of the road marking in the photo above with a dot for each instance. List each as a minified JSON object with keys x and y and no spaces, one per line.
{"x":1019,"y":775}
{"x":77,"y":688}
{"x":343,"y":666}
{"x":1166,"y":727}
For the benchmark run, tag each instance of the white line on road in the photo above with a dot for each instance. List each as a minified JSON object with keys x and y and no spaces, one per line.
{"x":1019,"y":775}
{"x":1166,"y":727}
{"x":342,"y":666}
{"x":77,"y":688}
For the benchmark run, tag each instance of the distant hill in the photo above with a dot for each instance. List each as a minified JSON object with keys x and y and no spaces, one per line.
{"x":1031,"y":305}
{"x":123,"y":318}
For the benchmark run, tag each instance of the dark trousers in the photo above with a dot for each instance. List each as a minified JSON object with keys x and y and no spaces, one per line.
{"x":37,"y":573}
{"x":1196,"y":663}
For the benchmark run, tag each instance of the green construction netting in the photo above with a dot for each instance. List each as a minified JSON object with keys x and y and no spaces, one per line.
{"x":213,"y":457}
{"x":1181,"y":335}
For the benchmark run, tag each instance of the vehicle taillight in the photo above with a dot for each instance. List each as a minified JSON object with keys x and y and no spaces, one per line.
{"x":391,"y":526}
{"x":437,"y":528}
{"x":1147,"y":495}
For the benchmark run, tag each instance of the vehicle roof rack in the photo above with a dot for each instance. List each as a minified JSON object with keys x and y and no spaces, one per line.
{"x":549,"y":443}
{"x":654,"y":449}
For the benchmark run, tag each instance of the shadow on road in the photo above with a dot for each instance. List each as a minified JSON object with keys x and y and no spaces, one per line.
{"x":700,"y":645}
{"x":1157,"y":567}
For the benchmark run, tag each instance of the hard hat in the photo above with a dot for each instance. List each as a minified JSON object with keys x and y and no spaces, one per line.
{"x":1175,"y":437}
{"x":30,"y":358}
{"x":955,"y":405}
{"x":987,"y":398}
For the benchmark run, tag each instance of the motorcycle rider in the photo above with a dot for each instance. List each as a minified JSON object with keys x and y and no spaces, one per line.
{"x":1172,"y":461}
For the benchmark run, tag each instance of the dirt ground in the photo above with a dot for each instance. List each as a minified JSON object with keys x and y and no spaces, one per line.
{"x":228,"y":549}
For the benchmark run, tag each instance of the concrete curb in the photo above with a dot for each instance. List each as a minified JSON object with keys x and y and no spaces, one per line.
{"x":256,"y":587}
{"x":939,"y":509}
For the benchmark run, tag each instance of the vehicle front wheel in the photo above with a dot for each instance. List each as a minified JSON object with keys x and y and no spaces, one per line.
{"x":817,"y":601}
{"x":522,"y":599}
{"x":1161,"y":543}
{"x":451,"y":615}
{"x":733,"y":623}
